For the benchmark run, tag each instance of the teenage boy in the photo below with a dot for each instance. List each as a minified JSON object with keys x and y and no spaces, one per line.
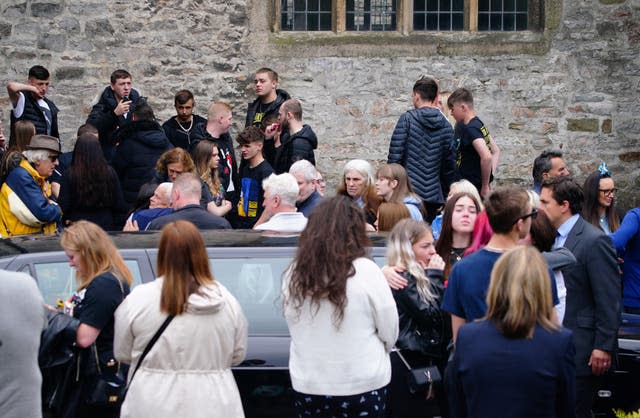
{"x":477,"y":153}
{"x":114,"y":109}
{"x":29,"y":102}
{"x":269,"y":97}
{"x":180,"y":129}
{"x":216,"y":129}
{"x":253,"y":169}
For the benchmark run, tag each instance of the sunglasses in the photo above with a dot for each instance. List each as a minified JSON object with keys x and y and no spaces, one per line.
{"x":53,"y":158}
{"x":532,"y":214}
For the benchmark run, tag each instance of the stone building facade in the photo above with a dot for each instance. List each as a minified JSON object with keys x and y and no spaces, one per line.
{"x":573,"y":84}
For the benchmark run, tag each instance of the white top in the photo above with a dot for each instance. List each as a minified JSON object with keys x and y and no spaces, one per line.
{"x":19,"y":109}
{"x":284,"y":222}
{"x":351,"y":359}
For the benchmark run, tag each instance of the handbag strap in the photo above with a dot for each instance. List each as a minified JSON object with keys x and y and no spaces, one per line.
{"x":150,"y":344}
{"x":406,"y":363}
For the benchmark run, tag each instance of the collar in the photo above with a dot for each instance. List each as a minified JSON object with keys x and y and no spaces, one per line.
{"x":567,"y":226}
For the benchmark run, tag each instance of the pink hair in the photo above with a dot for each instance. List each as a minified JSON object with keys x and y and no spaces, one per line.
{"x":482,"y":233}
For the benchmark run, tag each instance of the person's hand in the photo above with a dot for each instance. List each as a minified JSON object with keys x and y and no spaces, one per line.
{"x":485,"y":191}
{"x":122,"y":108}
{"x":436,"y":262}
{"x":271,"y":130}
{"x":369,"y":228}
{"x":394,"y":279}
{"x":130,"y":226}
{"x":600,"y":361}
{"x":221,"y":210}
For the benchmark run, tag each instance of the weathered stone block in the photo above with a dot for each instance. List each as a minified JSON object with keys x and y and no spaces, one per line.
{"x":612,"y":1}
{"x":100,"y":27}
{"x":5,"y":30}
{"x":607,"y":126}
{"x":17,"y":10}
{"x":583,"y":125}
{"x":630,"y":157}
{"x":46,"y":10}
{"x":52,"y":42}
{"x":68,"y":73}
{"x":516,"y":126}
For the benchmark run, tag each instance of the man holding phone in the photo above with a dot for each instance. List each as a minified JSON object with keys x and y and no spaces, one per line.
{"x":114,"y":109}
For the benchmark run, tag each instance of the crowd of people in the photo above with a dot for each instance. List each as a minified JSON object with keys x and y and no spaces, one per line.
{"x":507,"y":300}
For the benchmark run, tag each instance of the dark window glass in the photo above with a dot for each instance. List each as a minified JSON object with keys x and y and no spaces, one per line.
{"x":458,"y":21}
{"x":458,"y":5}
{"x":325,"y":21}
{"x":483,"y":21}
{"x":305,"y":15}
{"x":371,"y":15}
{"x":509,"y":5}
{"x":419,"y":21}
{"x":483,"y":5}
{"x":496,"y":5}
{"x":300,"y":21}
{"x":445,"y":21}
{"x":432,"y":22}
{"x":509,"y":21}
{"x":496,"y":21}
{"x":300,"y":5}
{"x":419,"y":5}
{"x":432,"y":5}
{"x":313,"y":5}
{"x":521,"y":21}
{"x":522,"y":6}
{"x":445,"y":5}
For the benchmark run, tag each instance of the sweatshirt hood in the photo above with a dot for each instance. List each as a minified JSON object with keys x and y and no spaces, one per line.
{"x":207,"y":300}
{"x":305,"y":133}
{"x":429,"y":117}
{"x":149,"y":133}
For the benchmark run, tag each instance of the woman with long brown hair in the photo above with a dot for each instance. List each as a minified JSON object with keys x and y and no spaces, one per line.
{"x":341,"y":316}
{"x":206,"y":158}
{"x":188,"y":371}
{"x":103,"y":282}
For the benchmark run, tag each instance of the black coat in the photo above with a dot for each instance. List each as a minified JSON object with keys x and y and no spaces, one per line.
{"x":106,"y":122}
{"x":423,"y":327}
{"x":298,"y":146}
{"x":140,"y":144}
{"x":266,"y":110}
{"x":178,"y":136}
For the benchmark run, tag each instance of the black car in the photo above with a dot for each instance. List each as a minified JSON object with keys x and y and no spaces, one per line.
{"x":250,"y":264}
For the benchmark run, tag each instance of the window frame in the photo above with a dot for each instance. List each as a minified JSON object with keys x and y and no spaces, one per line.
{"x":404,"y":18}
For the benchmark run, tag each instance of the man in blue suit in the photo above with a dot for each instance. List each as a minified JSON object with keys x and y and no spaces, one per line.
{"x":593,"y":287}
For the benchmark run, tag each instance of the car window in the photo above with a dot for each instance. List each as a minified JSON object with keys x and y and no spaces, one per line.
{"x":57,"y":280}
{"x":255,"y":282}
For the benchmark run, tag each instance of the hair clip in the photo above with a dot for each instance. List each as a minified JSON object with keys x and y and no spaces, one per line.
{"x":604,"y":170}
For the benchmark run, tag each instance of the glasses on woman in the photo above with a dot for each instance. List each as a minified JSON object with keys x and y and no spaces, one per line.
{"x":608,"y":192}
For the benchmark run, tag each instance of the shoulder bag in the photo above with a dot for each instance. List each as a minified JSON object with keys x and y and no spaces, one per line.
{"x":421,"y":379}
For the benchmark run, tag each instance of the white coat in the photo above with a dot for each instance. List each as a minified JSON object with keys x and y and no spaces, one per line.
{"x":188,"y":371}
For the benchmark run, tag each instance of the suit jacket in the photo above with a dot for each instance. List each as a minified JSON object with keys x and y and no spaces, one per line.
{"x":593,"y":293}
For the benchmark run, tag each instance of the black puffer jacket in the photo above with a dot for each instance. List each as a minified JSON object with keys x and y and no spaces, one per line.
{"x":422,"y":326}
{"x":140,"y":144}
{"x":106,"y":122}
{"x":268,"y":110}
{"x":422,"y":142}
{"x":298,"y":146}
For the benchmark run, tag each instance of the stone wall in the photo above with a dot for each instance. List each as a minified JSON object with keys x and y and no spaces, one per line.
{"x":574,"y":86}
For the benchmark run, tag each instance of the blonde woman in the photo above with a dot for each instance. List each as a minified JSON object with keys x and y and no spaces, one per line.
{"x":424,"y":333}
{"x":187,"y":373}
{"x":516,"y":361}
{"x":103,"y":282}
{"x":206,"y":158}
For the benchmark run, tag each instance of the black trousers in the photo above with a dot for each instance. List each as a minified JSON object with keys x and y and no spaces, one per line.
{"x":370,"y":404}
{"x":586,"y":387}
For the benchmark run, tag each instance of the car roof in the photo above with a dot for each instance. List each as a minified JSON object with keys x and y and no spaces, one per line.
{"x":27,"y":244}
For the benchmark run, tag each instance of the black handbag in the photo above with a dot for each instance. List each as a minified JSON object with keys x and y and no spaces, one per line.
{"x":422,"y":378}
{"x":107,"y":390}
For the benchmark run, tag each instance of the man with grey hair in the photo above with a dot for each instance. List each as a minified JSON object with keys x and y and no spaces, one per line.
{"x":159,"y":205}
{"x":26,"y":206}
{"x":308,"y":197}
{"x":547,"y":165}
{"x":185,"y":202}
{"x":280,"y":195}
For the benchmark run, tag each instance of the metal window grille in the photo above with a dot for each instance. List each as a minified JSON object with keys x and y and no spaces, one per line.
{"x":305,"y":15}
{"x":371,"y":15}
{"x":443,"y":15}
{"x":503,"y":15}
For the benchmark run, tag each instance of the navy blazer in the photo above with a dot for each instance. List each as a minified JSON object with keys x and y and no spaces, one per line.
{"x":593,"y":293}
{"x":495,"y":376}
